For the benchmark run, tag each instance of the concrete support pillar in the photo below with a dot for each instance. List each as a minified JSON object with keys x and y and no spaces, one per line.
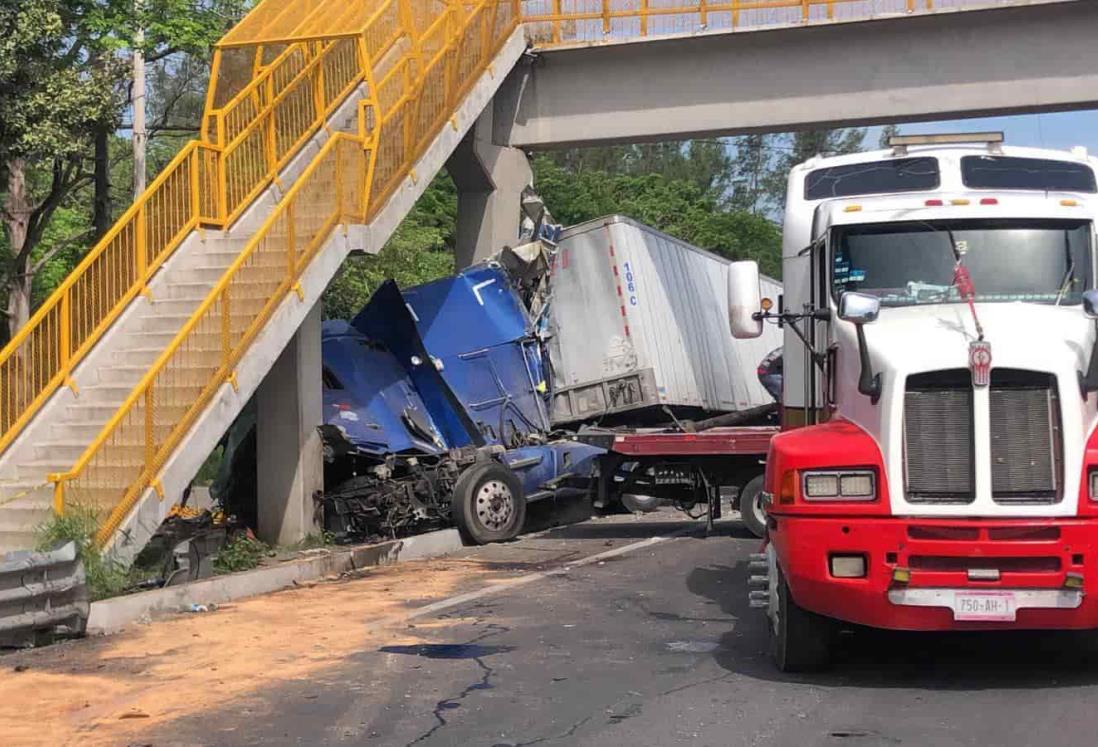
{"x":490,"y":180}
{"x":289,"y":458}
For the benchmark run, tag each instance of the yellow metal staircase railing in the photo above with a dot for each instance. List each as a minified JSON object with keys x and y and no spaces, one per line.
{"x":346,"y":183}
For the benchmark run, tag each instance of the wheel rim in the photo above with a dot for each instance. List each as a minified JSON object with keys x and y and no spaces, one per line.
{"x":495,"y":505}
{"x":757,"y":509}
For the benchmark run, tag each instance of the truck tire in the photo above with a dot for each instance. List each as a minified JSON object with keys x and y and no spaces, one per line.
{"x":640,"y":504}
{"x":751,"y":509}
{"x":800,"y":641}
{"x":488,"y":504}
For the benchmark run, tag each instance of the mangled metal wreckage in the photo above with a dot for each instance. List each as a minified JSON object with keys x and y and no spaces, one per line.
{"x":435,"y":413}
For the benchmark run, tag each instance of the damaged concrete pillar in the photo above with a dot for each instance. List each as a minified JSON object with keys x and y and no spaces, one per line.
{"x":289,"y":457}
{"x":490,"y":179}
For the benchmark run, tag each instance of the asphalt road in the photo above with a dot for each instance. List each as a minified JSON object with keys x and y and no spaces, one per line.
{"x":657,"y":647}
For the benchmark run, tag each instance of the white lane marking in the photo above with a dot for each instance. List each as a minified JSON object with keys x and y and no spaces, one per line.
{"x":478,"y":286}
{"x":472,"y":596}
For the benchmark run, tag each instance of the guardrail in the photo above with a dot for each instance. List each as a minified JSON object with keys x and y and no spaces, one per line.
{"x":41,"y":591}
{"x":347,"y":182}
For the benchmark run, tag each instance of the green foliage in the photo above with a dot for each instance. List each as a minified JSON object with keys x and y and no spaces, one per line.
{"x":105,"y":577}
{"x":56,"y":80}
{"x":419,"y":251}
{"x":241,"y":553}
{"x":679,"y":207}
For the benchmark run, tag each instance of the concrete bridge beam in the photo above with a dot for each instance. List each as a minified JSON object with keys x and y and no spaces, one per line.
{"x":490,"y":179}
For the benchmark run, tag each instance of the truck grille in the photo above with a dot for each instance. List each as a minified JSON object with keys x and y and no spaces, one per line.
{"x":1026,"y":443}
{"x":938,"y":437}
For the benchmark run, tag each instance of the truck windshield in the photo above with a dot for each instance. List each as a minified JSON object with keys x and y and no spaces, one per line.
{"x":909,"y":263}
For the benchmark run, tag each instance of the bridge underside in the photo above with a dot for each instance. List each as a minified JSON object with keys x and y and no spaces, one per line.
{"x":1005,"y":60}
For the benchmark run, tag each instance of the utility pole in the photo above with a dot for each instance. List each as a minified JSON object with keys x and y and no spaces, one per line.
{"x":140,"y":132}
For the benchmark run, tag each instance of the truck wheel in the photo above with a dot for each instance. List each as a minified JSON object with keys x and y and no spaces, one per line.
{"x":800,"y":641}
{"x":640,"y":504}
{"x":751,"y":508}
{"x":488,"y":504}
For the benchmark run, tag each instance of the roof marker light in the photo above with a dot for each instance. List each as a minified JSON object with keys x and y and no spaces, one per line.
{"x":934,"y":203}
{"x":1069,"y":203}
{"x":989,"y":201}
{"x":852,"y":209}
{"x":960,"y":201}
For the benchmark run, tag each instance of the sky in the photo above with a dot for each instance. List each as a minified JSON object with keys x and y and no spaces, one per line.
{"x":1060,"y":130}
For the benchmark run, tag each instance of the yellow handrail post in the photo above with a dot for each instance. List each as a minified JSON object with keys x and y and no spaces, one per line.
{"x":196,"y":195}
{"x":59,"y":496}
{"x":830,"y":9}
{"x":556,"y":22}
{"x":643,"y":17}
{"x":703,"y":14}
{"x":409,"y":115}
{"x":318,"y":90}
{"x":211,"y":93}
{"x":222,"y":184}
{"x":64,"y":343}
{"x":139,"y":240}
{"x":408,"y":23}
{"x":291,"y":241}
{"x":735,"y":13}
{"x":805,"y":10}
{"x":226,"y":328}
{"x":341,"y":216}
{"x":150,"y":429}
{"x":606,"y":17}
{"x":271,"y":132}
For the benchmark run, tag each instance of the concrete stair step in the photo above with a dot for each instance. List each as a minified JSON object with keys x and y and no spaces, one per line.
{"x":136,"y":356}
{"x":166,"y":322}
{"x":16,"y":541}
{"x":39,"y":470}
{"x":17,"y":520}
{"x":189,"y":288}
{"x":175,"y":305}
{"x":69,"y":451}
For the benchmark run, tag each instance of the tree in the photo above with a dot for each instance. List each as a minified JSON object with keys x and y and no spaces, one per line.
{"x":798,"y":147}
{"x":421,"y":250}
{"x":749,"y":173}
{"x":887,"y":133}
{"x":56,"y":87}
{"x":677,"y":206}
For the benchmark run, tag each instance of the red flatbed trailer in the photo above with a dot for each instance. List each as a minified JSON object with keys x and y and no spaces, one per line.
{"x":684,"y":467}
{"x":736,"y":440}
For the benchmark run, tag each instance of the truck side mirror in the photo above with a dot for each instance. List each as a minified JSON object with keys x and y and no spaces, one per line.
{"x":859,"y":308}
{"x":1090,"y":303}
{"x":744,"y":300}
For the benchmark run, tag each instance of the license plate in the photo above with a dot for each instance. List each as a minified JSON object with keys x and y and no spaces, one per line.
{"x":984,"y":605}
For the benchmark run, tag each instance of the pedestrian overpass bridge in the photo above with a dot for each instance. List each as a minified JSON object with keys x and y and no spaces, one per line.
{"x":326,"y":120}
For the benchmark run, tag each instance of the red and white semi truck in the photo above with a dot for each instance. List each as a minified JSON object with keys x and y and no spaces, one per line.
{"x":937,"y":465}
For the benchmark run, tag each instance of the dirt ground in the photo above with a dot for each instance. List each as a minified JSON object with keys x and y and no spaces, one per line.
{"x":108,"y":690}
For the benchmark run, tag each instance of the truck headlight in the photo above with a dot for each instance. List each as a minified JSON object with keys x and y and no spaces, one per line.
{"x":842,"y":485}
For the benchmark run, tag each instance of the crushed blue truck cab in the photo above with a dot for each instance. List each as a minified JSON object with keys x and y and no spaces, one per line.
{"x":435,"y":411}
